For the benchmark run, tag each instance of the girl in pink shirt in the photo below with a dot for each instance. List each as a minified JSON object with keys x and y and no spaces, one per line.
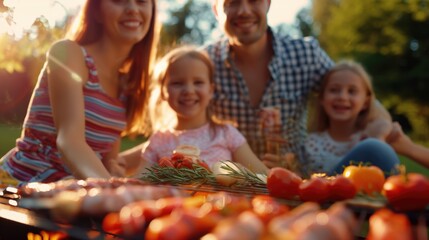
{"x":180,"y":113}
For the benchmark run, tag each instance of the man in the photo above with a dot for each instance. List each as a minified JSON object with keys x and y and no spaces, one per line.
{"x":256,"y":70}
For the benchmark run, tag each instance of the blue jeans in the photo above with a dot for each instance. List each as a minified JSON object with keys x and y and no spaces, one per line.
{"x":372,"y":151}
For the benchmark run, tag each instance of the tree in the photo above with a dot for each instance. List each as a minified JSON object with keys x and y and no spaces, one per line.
{"x":305,"y":22}
{"x":191,"y":23}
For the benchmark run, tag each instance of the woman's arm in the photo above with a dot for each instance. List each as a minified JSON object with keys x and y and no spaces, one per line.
{"x":247,"y":158}
{"x":403,"y":145}
{"x":67,"y":74}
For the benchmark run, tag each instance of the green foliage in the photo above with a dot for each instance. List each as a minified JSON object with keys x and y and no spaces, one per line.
{"x":189,"y":23}
{"x":305,"y":22}
{"x":33,"y":45}
{"x":414,"y":116}
{"x":9,"y":133}
{"x":363,"y":26}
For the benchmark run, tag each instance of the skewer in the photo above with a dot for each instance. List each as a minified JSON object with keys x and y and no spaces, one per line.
{"x":421,"y":229}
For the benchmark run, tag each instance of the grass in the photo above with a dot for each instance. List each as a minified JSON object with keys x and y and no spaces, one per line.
{"x":9,"y":133}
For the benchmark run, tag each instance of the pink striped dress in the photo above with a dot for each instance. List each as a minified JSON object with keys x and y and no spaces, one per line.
{"x":36,"y":157}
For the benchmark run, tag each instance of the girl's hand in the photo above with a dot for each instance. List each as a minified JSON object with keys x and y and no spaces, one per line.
{"x":117,"y":167}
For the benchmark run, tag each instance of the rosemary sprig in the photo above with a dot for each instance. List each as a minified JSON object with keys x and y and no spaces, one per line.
{"x":237,"y":171}
{"x":200,"y":175}
{"x":172,"y":175}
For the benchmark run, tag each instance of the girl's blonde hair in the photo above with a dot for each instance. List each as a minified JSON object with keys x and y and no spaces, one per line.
{"x":320,"y":121}
{"x":86,"y":29}
{"x":162,"y":117}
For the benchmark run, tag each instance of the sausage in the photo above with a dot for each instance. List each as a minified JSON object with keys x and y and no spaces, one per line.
{"x":280,"y":227}
{"x":247,"y":225}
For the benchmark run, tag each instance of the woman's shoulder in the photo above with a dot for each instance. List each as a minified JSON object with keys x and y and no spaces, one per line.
{"x":67,"y":55}
{"x":65,"y":51}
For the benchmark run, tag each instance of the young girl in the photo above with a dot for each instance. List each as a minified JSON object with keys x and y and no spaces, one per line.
{"x":183,"y":88}
{"x":349,"y":125}
{"x":91,"y":91}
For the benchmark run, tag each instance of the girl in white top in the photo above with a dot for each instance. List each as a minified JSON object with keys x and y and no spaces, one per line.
{"x":348,"y":125}
{"x":180,"y":113}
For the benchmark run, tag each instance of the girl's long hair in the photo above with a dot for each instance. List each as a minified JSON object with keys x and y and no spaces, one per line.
{"x":86,"y":30}
{"x":161,"y":115}
{"x":319,"y":120}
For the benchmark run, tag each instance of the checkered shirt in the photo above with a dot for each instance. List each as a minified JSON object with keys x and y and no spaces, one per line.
{"x":296,"y":69}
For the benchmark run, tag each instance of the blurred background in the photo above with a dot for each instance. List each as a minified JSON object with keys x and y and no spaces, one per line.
{"x":389,"y":37}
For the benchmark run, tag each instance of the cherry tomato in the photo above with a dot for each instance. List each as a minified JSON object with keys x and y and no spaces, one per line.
{"x":203,"y":164}
{"x":283,"y":183}
{"x":315,"y":189}
{"x":367,"y":179}
{"x":385,"y":224}
{"x":407,"y":192}
{"x":176,"y":156}
{"x":185,"y":162}
{"x":341,"y":188}
{"x":165,"y":162}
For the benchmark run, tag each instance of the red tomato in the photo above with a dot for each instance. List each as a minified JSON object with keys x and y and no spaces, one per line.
{"x":177,"y":156}
{"x":283,"y":183}
{"x":185,"y":162}
{"x":341,"y":188}
{"x":407,"y":192}
{"x":367,"y":179}
{"x":203,"y":164}
{"x":315,"y":189}
{"x":165,"y":162}
{"x":385,"y":224}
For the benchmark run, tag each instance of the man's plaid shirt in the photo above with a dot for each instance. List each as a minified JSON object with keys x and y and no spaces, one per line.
{"x":296,"y":69}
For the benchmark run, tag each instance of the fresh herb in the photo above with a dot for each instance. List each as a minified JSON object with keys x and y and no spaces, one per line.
{"x":172,"y":175}
{"x":246,"y":176}
{"x":200,"y":175}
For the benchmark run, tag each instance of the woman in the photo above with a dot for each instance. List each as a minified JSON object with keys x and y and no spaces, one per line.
{"x":91,"y":91}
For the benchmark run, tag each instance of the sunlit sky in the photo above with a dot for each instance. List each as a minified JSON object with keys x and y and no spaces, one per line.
{"x":25,"y":11}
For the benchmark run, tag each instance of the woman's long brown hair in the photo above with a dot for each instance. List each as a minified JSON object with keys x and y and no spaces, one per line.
{"x":86,"y":30}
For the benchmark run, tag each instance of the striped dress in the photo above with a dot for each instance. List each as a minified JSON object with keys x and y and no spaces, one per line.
{"x":36,"y":157}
